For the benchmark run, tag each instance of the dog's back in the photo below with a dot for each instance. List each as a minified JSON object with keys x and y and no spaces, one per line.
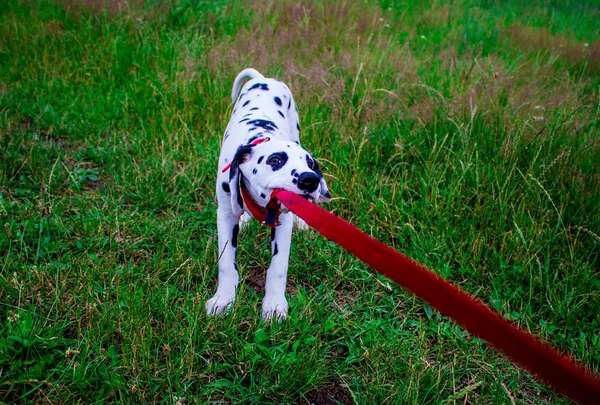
{"x":263,"y":106}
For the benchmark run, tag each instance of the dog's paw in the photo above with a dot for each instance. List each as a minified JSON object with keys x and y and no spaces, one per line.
{"x":274,"y":307}
{"x":217,"y":304}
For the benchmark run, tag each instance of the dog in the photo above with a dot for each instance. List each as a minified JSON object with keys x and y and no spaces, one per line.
{"x":261,"y":152}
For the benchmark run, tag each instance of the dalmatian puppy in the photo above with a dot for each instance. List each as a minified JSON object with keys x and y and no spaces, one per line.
{"x":261,"y":152}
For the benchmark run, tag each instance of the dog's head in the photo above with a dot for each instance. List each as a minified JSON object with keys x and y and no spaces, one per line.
{"x":274,"y":164}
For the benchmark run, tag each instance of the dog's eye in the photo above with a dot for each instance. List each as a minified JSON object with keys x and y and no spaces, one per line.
{"x":310,"y":163}
{"x":274,"y":160}
{"x":277,"y":160}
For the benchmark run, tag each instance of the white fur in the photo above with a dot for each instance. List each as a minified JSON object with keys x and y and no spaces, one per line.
{"x":264,"y":108}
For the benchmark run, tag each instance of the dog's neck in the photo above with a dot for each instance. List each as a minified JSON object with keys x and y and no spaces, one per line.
{"x":262,"y":202}
{"x":280,"y":134}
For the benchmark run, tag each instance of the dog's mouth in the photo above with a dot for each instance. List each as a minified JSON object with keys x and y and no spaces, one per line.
{"x":305,"y":196}
{"x":312,"y":197}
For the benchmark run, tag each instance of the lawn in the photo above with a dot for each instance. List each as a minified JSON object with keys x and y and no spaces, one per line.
{"x":465,"y":134}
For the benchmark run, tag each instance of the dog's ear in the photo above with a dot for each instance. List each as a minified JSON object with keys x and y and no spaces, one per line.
{"x":242,"y":155}
{"x":324,"y":196}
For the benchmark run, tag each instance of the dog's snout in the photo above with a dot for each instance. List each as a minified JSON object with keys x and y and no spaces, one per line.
{"x":308,"y":182}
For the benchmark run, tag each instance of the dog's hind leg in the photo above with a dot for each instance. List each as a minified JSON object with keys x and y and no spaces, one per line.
{"x":300,"y":224}
{"x":228,"y":230}
{"x":244,"y":220}
{"x":274,"y":303}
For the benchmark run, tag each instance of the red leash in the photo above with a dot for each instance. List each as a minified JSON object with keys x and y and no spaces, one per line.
{"x":521,"y":347}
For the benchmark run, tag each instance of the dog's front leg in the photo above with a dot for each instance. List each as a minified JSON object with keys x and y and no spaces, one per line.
{"x":274,"y":302}
{"x":228,"y":229}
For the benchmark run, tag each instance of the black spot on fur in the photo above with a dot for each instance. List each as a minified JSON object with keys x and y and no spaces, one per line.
{"x":298,"y":126}
{"x":245,"y":119}
{"x":277,"y":160}
{"x":290,"y":104}
{"x":262,"y":86}
{"x":226,"y":134}
{"x":247,"y":115}
{"x":260,"y":159}
{"x":225,"y":187}
{"x":240,"y":200}
{"x":254,"y":171}
{"x":246,"y":103}
{"x":272,"y":234}
{"x":275,"y":249}
{"x":252,"y":129}
{"x":294,"y":181}
{"x":234,"y":236}
{"x":293,"y":173}
{"x":277,"y":101}
{"x":280,"y":113}
{"x":266,"y":124}
{"x":261,"y":194}
{"x":254,"y":108}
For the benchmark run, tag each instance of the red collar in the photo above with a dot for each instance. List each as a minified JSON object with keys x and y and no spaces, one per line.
{"x":268,"y":215}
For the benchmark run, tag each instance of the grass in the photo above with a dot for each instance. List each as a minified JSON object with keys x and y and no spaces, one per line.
{"x":464,"y":134}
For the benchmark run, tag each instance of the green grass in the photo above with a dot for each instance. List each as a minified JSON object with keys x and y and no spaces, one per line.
{"x":464,"y":134}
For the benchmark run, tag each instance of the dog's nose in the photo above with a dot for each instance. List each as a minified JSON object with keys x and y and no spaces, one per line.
{"x":308,"y":182}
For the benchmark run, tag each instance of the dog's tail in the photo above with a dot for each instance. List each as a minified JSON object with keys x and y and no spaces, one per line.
{"x":244,"y":74}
